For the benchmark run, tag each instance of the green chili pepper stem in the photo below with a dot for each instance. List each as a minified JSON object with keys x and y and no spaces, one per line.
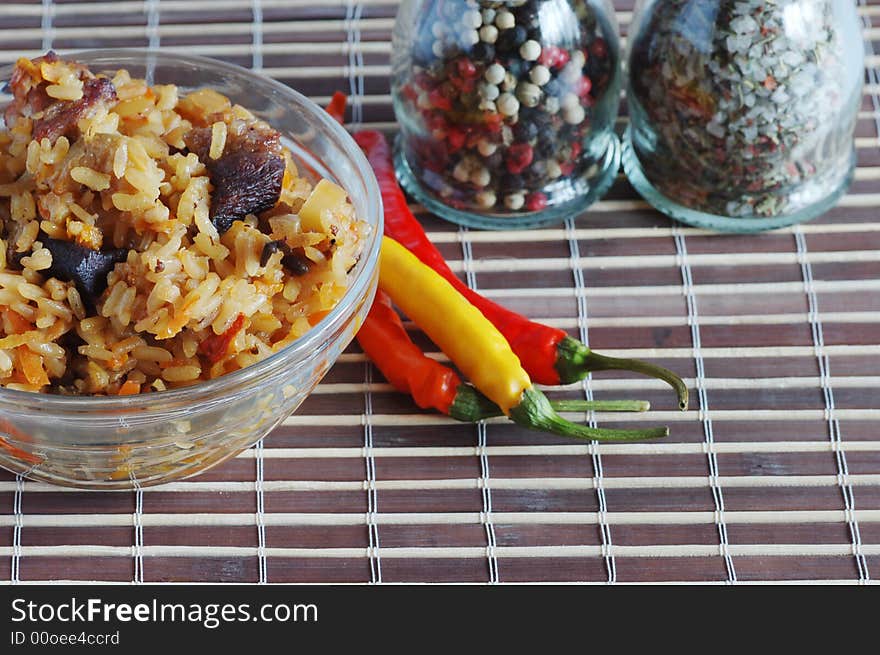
{"x":574,"y":361}
{"x":534,"y":411}
{"x":600,"y":405}
{"x":470,"y":405}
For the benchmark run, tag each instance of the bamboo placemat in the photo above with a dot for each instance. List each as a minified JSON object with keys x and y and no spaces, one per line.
{"x":773,"y":475}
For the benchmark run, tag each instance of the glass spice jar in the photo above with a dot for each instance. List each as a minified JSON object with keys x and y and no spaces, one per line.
{"x":506,"y":109}
{"x":742,"y":112}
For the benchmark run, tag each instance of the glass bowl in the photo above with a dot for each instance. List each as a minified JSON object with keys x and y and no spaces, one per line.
{"x":130,"y":441}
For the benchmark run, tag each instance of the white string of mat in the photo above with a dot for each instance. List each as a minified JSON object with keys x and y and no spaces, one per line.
{"x":520,"y":484}
{"x":289,"y":519}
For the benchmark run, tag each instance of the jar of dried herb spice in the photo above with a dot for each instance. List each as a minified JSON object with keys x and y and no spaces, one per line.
{"x":506,"y":109}
{"x":743,"y":111}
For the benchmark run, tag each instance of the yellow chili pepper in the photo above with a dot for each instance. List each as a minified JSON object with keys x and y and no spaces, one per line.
{"x":476,"y":347}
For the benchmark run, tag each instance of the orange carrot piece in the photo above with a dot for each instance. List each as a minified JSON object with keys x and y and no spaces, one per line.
{"x":129,"y":388}
{"x":18,"y":322}
{"x":32,"y":367}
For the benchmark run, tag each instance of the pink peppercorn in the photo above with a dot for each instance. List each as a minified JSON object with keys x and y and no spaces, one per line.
{"x":519,"y":156}
{"x":494,"y":122}
{"x":439,"y":99}
{"x":456,"y":138}
{"x":436,"y":121}
{"x":466,"y":68}
{"x":599,"y":48}
{"x":562,"y":58}
{"x":424,"y":81}
{"x":536,"y":201}
{"x":553,"y":57}
{"x":583,"y":86}
{"x":548,"y":56}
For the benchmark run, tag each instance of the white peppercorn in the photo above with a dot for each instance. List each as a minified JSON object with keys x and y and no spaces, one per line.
{"x":540,"y":75}
{"x":508,"y":105}
{"x":530,"y":50}
{"x":461,"y":172}
{"x":528,"y":94}
{"x":470,"y":38}
{"x":574,"y":115}
{"x":472,"y":19}
{"x":486,"y":199}
{"x":504,"y":20}
{"x":486,"y":147}
{"x":480,"y":176}
{"x":495,"y":74}
{"x":489,"y":91}
{"x":489,"y":33}
{"x":514,"y":201}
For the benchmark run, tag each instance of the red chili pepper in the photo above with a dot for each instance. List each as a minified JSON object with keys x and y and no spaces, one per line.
{"x":216,"y":345}
{"x":336,"y":108}
{"x":404,"y":365}
{"x":434,"y":386}
{"x":548,"y":354}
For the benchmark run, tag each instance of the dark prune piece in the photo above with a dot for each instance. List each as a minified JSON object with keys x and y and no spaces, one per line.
{"x":86,"y":268}
{"x":295,"y":264}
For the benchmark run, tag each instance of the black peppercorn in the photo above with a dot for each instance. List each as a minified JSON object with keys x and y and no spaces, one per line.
{"x":525,"y":130}
{"x":494,"y":161}
{"x":512,"y":39}
{"x":516,"y":67}
{"x":545,"y":145}
{"x":553,"y":87}
{"x":483,"y":52}
{"x":511,"y":182}
{"x":527,"y":16}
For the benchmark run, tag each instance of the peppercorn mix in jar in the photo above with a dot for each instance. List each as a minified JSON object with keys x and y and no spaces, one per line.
{"x":506,"y":109}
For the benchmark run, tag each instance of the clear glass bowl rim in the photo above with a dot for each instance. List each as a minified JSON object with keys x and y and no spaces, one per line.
{"x":210,"y":390}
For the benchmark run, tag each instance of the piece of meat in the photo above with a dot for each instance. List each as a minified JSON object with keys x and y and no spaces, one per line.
{"x":244,"y":183}
{"x":86,"y":268}
{"x":253,"y":136}
{"x":60,"y":118}
{"x":248,"y":174}
{"x":97,"y":153}
{"x":28,"y":91}
{"x":52,"y":118}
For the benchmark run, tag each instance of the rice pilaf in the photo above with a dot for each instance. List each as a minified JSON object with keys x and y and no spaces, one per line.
{"x":152,"y":240}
